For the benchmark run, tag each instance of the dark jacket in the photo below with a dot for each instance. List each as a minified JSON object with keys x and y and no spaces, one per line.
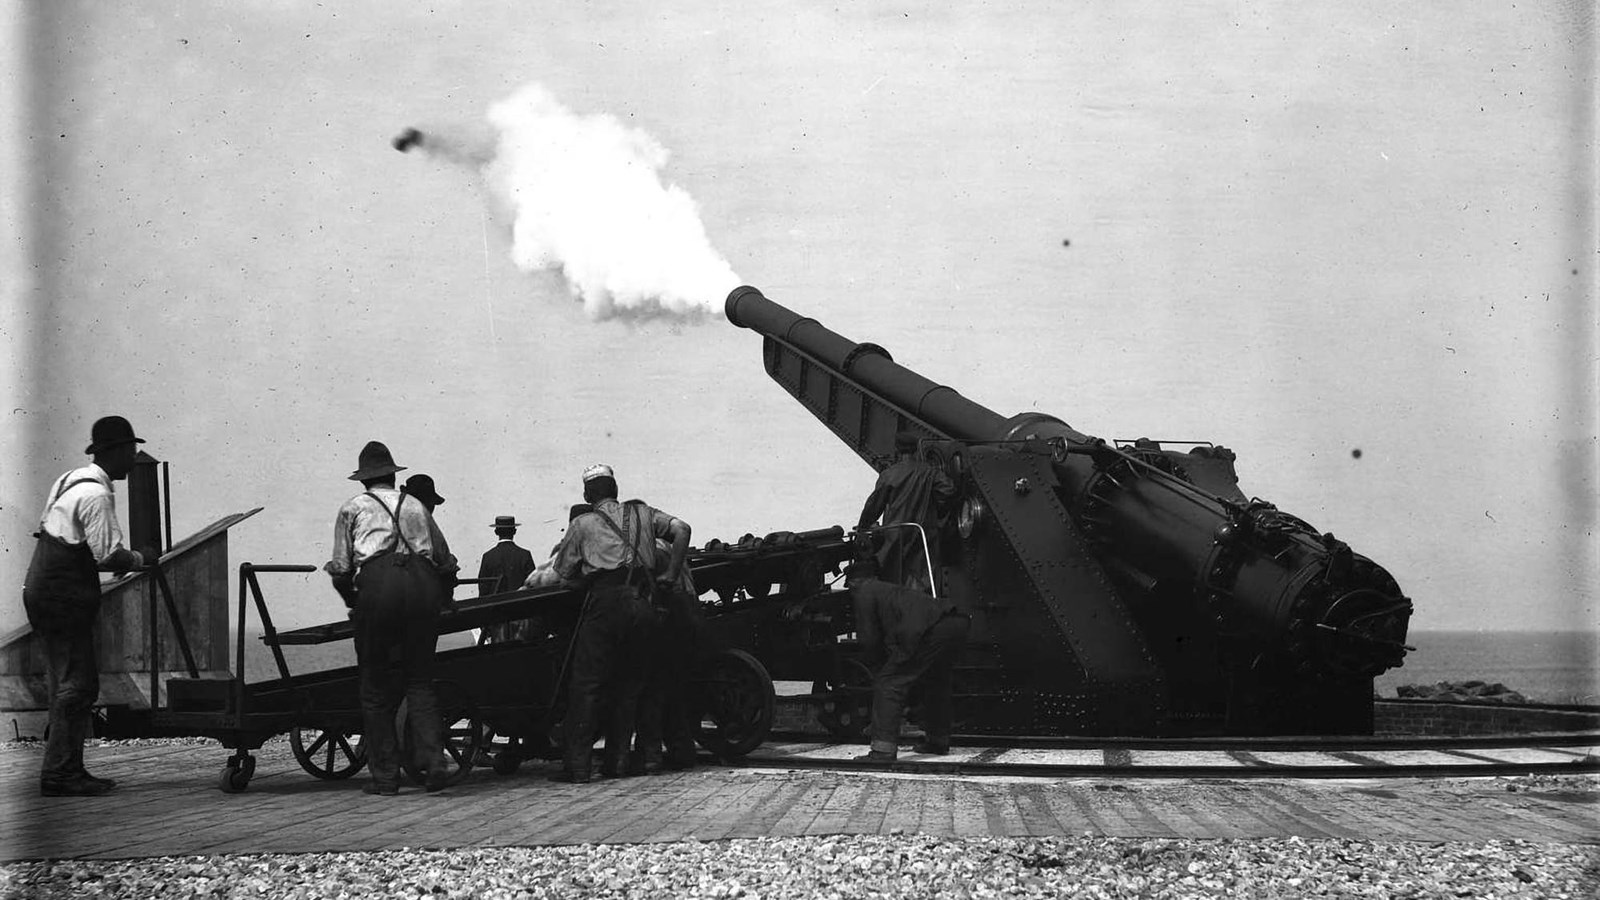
{"x":910,"y":490}
{"x":891,"y":620}
{"x":511,"y":563}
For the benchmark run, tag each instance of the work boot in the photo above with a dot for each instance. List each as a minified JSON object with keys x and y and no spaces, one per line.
{"x":618,"y":766}
{"x":381,"y":790}
{"x":109,"y":783}
{"x":77,"y":786}
{"x":565,"y":776}
{"x":680,"y":758}
{"x":930,"y":748}
{"x":882,"y":757}
{"x":643,"y":762}
{"x":438,"y":779}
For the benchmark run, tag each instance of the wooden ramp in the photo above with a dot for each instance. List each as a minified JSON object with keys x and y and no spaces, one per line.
{"x":196,"y":568}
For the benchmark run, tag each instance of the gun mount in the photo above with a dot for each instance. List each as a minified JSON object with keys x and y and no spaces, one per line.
{"x":1114,"y":589}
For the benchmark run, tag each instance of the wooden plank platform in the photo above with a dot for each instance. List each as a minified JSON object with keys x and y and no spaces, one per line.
{"x":168,"y":805}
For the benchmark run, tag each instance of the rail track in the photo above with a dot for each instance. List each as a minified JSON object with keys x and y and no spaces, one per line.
{"x":1223,"y":758}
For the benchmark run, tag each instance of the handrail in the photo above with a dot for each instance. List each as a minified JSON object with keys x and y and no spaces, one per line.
{"x":247,"y":577}
{"x":927,"y":557}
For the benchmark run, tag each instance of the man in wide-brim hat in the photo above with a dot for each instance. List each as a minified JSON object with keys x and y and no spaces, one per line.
{"x":421,"y":487}
{"x":78,"y":538}
{"x":393,"y":568}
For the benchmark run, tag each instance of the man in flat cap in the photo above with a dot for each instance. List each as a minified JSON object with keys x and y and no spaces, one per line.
{"x":511,"y":564}
{"x":78,"y":538}
{"x":393,"y":568}
{"x":909,"y":491}
{"x":611,"y":550}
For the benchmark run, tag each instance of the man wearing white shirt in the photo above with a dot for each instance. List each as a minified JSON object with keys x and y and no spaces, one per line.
{"x":393,"y":568}
{"x":78,"y":538}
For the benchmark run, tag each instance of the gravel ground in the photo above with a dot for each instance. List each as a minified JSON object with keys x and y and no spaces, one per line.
{"x":909,"y":866}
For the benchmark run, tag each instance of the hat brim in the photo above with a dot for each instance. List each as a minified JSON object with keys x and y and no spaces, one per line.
{"x":96,"y":448}
{"x":375,"y":472}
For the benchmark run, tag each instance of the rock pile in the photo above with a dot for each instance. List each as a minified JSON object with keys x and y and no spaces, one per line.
{"x":1469,"y":691}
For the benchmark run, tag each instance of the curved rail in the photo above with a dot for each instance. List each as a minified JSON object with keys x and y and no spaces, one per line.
{"x":1558,"y":754}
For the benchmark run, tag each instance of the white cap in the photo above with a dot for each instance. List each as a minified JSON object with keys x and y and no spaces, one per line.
{"x":598,"y":470}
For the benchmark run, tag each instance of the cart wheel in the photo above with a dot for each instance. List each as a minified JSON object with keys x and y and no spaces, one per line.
{"x":848,"y":708}
{"x":329,"y":754}
{"x":734,"y":695}
{"x":463,"y":734}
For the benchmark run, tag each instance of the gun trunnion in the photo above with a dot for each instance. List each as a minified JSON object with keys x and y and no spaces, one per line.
{"x":1129,"y":590}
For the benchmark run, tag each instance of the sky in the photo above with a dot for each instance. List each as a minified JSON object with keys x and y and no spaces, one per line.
{"x":1298,"y":233}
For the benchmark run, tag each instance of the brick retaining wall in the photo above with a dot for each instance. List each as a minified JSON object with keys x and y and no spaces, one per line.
{"x":1428,"y":717}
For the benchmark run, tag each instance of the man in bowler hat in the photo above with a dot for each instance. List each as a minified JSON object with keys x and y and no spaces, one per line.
{"x":392,"y":567}
{"x":78,"y":538}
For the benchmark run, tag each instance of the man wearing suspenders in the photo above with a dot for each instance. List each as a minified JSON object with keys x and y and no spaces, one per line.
{"x":394,"y":570}
{"x":78,"y":538}
{"x":611,"y":550}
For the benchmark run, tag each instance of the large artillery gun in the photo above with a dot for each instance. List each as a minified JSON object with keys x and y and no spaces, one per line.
{"x":1123,"y":588}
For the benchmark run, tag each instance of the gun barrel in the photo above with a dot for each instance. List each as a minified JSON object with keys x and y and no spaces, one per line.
{"x":813,"y":362}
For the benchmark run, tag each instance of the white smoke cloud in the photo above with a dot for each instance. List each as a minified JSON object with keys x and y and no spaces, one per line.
{"x":586,"y":199}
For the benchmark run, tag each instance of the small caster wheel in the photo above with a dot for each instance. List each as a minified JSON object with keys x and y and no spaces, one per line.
{"x":235,"y":778}
{"x":507,"y":762}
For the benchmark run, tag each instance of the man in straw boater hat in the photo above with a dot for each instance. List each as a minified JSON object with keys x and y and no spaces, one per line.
{"x":511,"y":565}
{"x":78,"y":538}
{"x":392,"y":567}
{"x":611,"y":550}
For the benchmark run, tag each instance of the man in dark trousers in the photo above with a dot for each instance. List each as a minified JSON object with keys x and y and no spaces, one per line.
{"x":907,"y":638}
{"x":392,"y":567}
{"x":909,"y":490}
{"x":512,"y":565}
{"x":78,"y":538}
{"x":674,"y":645}
{"x":611,"y":551}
